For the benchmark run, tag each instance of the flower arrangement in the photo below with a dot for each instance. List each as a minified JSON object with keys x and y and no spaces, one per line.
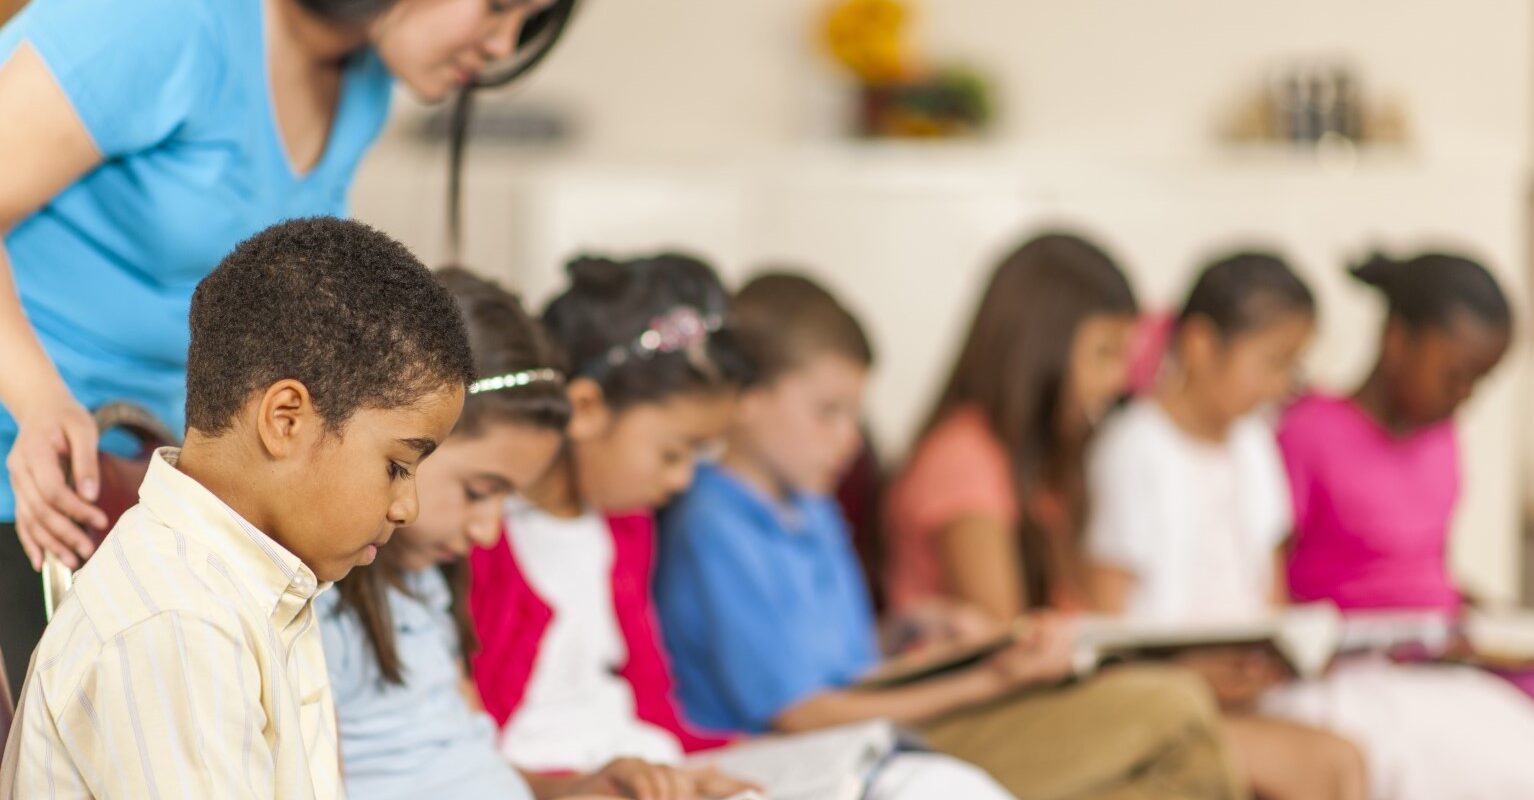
{"x":900,"y":97}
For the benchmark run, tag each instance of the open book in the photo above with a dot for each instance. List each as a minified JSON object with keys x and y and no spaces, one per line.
{"x":1305,"y":637}
{"x":833,"y":764}
{"x":1495,"y":638}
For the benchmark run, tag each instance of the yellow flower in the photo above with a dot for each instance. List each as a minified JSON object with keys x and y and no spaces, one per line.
{"x":867,"y":37}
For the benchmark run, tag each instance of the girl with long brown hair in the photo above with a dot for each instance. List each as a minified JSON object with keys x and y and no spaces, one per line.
{"x":988,"y":509}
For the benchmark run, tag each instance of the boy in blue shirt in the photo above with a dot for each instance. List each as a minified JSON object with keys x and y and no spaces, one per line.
{"x":769,"y":625}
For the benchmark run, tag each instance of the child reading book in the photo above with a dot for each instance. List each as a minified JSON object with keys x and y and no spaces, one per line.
{"x":325,"y":364}
{"x":1190,"y":508}
{"x":767,"y":615}
{"x":1190,"y":522}
{"x":988,"y":509}
{"x":397,"y":633}
{"x":569,"y":663}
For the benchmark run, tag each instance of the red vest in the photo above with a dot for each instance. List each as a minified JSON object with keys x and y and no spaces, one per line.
{"x":511,"y":620}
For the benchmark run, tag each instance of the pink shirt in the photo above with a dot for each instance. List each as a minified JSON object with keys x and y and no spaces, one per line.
{"x":958,"y":470}
{"x":1371,"y":509}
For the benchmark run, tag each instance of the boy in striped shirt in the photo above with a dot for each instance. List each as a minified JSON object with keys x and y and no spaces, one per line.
{"x":325,"y":364}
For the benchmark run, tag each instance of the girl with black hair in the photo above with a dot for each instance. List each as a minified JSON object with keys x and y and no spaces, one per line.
{"x":570,"y":663}
{"x":1392,"y":494}
{"x":1190,"y":511}
{"x":1375,"y":478}
{"x":160,"y":133}
{"x":397,"y":633}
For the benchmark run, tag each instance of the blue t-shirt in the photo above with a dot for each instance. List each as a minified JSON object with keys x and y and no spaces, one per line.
{"x":175,"y":95}
{"x":762,"y":604}
{"x":421,"y":739}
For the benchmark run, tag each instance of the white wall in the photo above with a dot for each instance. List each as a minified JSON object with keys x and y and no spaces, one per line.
{"x":1122,"y":75}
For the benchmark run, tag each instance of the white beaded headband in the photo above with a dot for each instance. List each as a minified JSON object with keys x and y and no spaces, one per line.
{"x":515,"y":380}
{"x":682,"y":329}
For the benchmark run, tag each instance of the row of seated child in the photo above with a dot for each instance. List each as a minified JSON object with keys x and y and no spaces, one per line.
{"x":505,"y":644}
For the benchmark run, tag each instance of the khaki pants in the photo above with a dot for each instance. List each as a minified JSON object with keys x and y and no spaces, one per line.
{"x":1131,"y":733}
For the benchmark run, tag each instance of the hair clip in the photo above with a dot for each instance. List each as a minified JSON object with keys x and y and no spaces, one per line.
{"x":683,"y":328}
{"x":514,"y":380}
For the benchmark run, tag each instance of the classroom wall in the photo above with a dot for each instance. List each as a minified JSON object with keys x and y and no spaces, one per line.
{"x":677,"y":76}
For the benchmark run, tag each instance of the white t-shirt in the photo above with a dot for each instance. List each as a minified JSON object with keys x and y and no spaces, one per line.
{"x":578,"y":712}
{"x":1198,"y":523}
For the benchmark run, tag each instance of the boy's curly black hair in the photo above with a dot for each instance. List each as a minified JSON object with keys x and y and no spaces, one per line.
{"x":332,"y":303}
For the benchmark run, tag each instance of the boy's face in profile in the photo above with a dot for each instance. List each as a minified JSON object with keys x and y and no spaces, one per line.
{"x":349,"y":489}
{"x":804,"y":424}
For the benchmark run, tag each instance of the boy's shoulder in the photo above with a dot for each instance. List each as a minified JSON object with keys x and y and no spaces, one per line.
{"x":718,"y":514}
{"x":714,"y":495}
{"x":145,"y":583}
{"x":145,"y":569}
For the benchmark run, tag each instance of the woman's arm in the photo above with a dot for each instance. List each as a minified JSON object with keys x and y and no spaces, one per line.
{"x":40,"y":159}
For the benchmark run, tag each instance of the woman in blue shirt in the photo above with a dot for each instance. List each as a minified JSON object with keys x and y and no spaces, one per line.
{"x":157,"y":134}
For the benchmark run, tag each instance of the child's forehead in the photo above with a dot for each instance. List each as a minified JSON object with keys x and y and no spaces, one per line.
{"x":678,"y":411}
{"x":429,"y":418}
{"x":828,"y":363}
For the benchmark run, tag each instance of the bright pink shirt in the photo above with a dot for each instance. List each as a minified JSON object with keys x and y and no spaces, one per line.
{"x":1371,"y":509}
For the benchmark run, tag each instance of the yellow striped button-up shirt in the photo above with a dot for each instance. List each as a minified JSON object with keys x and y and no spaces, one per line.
{"x":186,"y":662}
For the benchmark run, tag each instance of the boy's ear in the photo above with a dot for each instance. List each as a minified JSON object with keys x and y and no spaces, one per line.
{"x":590,"y":415}
{"x":1199,"y":343}
{"x":286,"y":417}
{"x":1396,"y":344}
{"x":748,"y":403}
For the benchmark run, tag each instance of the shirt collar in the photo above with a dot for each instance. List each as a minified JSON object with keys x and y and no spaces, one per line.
{"x":279,"y":579}
{"x":790,"y":516}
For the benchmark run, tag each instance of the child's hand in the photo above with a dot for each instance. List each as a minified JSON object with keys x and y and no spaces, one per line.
{"x":938,"y":621}
{"x":1044,"y":653}
{"x":641,"y":780}
{"x":712,"y":783}
{"x":1237,"y":675}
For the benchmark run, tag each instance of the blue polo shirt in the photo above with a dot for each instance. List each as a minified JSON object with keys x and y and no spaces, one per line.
{"x":175,"y":96}
{"x":762,"y":603}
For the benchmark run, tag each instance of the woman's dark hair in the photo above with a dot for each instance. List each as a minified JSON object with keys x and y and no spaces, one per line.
{"x":1013,"y":367}
{"x":504,"y":340}
{"x":1246,"y":291}
{"x":1429,"y":290}
{"x":536,"y":40}
{"x":609,"y":305}
{"x":540,"y":32}
{"x":537,"y":26}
